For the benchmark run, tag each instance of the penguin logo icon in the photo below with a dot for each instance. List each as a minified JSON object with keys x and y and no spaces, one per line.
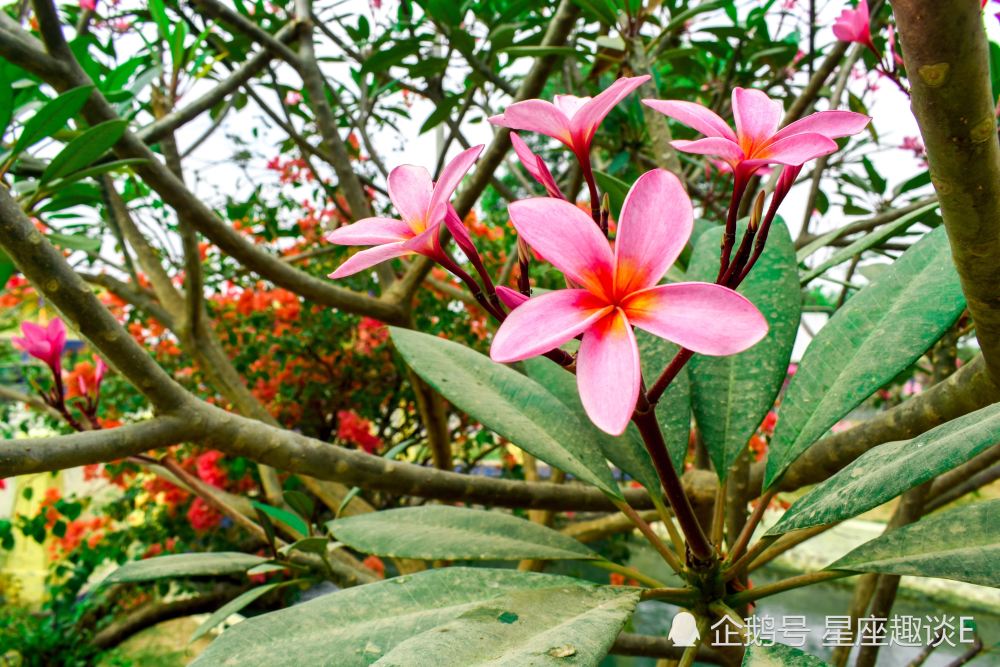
{"x":684,"y":630}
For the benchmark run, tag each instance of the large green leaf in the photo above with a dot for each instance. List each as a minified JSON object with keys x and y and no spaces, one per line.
{"x":877,"y":334}
{"x":779,"y":655}
{"x":625,"y":451}
{"x":52,"y":117}
{"x":961,"y":544}
{"x":884,"y":472}
{"x":441,"y":532}
{"x":673,"y":411}
{"x":451,"y":616}
{"x":868,"y":241}
{"x":232,"y":607}
{"x":731,"y":395}
{"x":83,"y":150}
{"x":509,"y":403}
{"x":184,"y":565}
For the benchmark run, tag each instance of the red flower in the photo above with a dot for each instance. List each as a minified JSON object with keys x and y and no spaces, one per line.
{"x":202,"y":515}
{"x":357,"y":430}
{"x":208,"y":468}
{"x":375,"y":564}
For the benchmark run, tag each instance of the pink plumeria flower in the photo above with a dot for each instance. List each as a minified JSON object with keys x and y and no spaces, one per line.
{"x":44,"y":343}
{"x":757,"y":140}
{"x":292,"y":98}
{"x":570,"y":119}
{"x":535,"y":166}
{"x":854,"y":25}
{"x":89,"y":5}
{"x":619,"y":289}
{"x":421,"y":204}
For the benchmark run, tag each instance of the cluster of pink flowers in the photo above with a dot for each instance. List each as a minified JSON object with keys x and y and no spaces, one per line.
{"x":47,"y":344}
{"x":612,"y":286}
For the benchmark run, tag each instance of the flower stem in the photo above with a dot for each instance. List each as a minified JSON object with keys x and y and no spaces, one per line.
{"x":758,"y":513}
{"x":698,"y":545}
{"x":667,"y":376}
{"x":743,"y":597}
{"x":754,"y":551}
{"x":669,"y":556}
{"x":630,"y":573}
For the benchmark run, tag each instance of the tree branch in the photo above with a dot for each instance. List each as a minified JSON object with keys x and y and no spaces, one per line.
{"x":947,"y":56}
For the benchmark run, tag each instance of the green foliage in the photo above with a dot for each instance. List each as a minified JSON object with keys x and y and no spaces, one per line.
{"x":458,"y":534}
{"x":184,"y":565}
{"x":961,"y":544}
{"x":625,"y":451}
{"x":888,"y":470}
{"x":508,"y":403}
{"x":876,"y":335}
{"x":731,"y":395}
{"x":473,"y":616}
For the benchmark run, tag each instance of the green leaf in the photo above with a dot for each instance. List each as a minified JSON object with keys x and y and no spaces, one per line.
{"x":779,"y":655}
{"x":441,"y":532}
{"x":451,"y":616}
{"x":230,"y":608}
{"x":313,"y":545}
{"x":96,"y":170}
{"x":74,"y":242}
{"x":625,"y":451}
{"x":508,"y":403}
{"x":599,"y":9}
{"x":962,"y":544}
{"x":83,"y":150}
{"x":301,"y":503}
{"x":731,"y":395}
{"x":184,"y":565}
{"x":615,"y":188}
{"x":995,"y":69}
{"x":290,"y":519}
{"x":159,"y":14}
{"x":448,"y":12}
{"x":888,"y":470}
{"x":876,"y":335}
{"x":52,"y":117}
{"x":867,"y":241}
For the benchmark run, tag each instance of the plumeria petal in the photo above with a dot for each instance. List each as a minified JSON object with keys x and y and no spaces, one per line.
{"x":427,"y":242}
{"x":460,"y":232}
{"x":656,"y":223}
{"x":694,"y":116}
{"x":567,"y":238}
{"x":451,"y":176}
{"x":832,"y":124}
{"x":608,"y":373}
{"x":703,"y":317}
{"x":371,"y":231}
{"x":536,"y":116}
{"x":544,"y":323}
{"x":757,"y":115}
{"x":510,"y":297}
{"x":723,"y":148}
{"x":370,"y":257}
{"x":588,"y":117}
{"x":569,"y":104}
{"x":410,"y":190}
{"x":794,"y":150}
{"x":535,"y":166}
